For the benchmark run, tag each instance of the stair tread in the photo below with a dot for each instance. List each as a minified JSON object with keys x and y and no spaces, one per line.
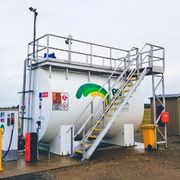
{"x":133,"y":79}
{"x":126,"y":90}
{"x":129,"y":85}
{"x":79,"y":151}
{"x":113,"y":108}
{"x":92,"y":136}
{"x":97,"y":129}
{"x":109,"y":115}
{"x":86,"y":144}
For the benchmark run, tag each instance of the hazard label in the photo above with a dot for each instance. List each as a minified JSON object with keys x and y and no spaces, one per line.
{"x":60,"y":101}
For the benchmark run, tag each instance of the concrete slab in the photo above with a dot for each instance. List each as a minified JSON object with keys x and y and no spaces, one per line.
{"x":21,"y":167}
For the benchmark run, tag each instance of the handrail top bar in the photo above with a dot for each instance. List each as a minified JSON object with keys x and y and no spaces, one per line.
{"x":80,"y":41}
{"x":160,"y":47}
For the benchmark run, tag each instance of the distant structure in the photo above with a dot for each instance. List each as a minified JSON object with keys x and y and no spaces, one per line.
{"x":173,"y":107}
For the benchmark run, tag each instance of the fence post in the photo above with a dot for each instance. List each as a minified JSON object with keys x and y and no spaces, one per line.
{"x":1,"y":168}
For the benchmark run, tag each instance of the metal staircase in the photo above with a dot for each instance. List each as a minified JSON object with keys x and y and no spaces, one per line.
{"x":126,"y":72}
{"x":135,"y":69}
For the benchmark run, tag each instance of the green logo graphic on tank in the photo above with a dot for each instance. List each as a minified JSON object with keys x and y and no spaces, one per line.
{"x":92,"y":90}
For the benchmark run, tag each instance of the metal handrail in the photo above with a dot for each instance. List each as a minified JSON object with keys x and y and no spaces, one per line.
{"x":131,"y":62}
{"x":100,"y":89}
{"x":121,"y":76}
{"x":80,"y":41}
{"x":114,"y":99}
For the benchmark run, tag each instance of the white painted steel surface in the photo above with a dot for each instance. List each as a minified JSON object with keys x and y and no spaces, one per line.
{"x":52,"y":119}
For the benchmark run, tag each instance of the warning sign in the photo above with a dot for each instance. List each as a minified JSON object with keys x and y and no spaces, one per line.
{"x":60,"y":101}
{"x":43,"y":94}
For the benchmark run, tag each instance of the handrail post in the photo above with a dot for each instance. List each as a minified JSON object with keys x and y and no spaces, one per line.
{"x":163,"y":59}
{"x":110,"y":57}
{"x":91,"y":52}
{"x":37,"y":49}
{"x":72,"y":140}
{"x":1,"y":167}
{"x":92,"y":111}
{"x":47,"y":52}
{"x":104,"y":109}
{"x":83,"y":143}
{"x":151,"y":56}
{"x":69,"y":47}
{"x":140,"y":60}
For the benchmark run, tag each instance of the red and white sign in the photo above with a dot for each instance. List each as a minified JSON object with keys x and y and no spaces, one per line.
{"x":44,"y":94}
{"x":64,"y":101}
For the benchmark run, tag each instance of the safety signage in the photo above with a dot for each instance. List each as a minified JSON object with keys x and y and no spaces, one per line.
{"x":43,"y":94}
{"x":60,"y":101}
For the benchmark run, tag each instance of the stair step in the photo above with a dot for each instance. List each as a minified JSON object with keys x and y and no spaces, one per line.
{"x":108,"y":115}
{"x":100,"y":122}
{"x":113,"y":108}
{"x":86,"y":145}
{"x":133,"y":79}
{"x":130,"y":85}
{"x":97,"y":129}
{"x":79,"y":151}
{"x":126,"y":90}
{"x":92,"y":136}
{"x":121,"y":96}
{"x":117,"y":102}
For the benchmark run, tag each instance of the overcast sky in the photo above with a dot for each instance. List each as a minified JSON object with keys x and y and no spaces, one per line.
{"x":118,"y":23}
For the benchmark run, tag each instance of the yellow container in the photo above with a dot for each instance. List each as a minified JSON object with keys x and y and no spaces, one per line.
{"x":1,"y":168}
{"x":149,"y":136}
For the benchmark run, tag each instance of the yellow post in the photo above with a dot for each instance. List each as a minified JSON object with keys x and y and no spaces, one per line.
{"x":1,"y":168}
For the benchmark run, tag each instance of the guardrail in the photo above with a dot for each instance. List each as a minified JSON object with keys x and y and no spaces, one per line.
{"x":73,"y":50}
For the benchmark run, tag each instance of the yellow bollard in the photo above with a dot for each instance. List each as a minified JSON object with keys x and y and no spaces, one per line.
{"x":1,"y":168}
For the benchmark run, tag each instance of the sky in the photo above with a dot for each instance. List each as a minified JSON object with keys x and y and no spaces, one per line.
{"x":117,"y":23}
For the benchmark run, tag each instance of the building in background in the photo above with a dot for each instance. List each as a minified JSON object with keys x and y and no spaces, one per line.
{"x":173,"y":107}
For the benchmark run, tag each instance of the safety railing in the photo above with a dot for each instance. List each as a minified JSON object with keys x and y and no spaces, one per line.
{"x":72,"y":50}
{"x":149,"y":56}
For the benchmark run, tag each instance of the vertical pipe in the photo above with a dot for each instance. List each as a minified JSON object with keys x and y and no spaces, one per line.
{"x":34,"y":34}
{"x":23,"y":97}
{"x":29,"y":96}
{"x":1,"y":168}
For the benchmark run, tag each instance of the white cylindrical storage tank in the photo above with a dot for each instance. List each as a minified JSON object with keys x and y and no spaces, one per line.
{"x":55,"y":101}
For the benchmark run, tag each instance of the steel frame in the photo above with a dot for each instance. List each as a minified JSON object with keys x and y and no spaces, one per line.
{"x":145,"y":58}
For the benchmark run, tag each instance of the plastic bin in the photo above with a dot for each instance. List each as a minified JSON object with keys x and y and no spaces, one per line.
{"x":149,"y":136}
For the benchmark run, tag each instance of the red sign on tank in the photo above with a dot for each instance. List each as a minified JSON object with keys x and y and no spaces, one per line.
{"x":44,"y":94}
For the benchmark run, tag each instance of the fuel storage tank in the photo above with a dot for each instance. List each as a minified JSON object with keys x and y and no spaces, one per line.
{"x":59,"y":97}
